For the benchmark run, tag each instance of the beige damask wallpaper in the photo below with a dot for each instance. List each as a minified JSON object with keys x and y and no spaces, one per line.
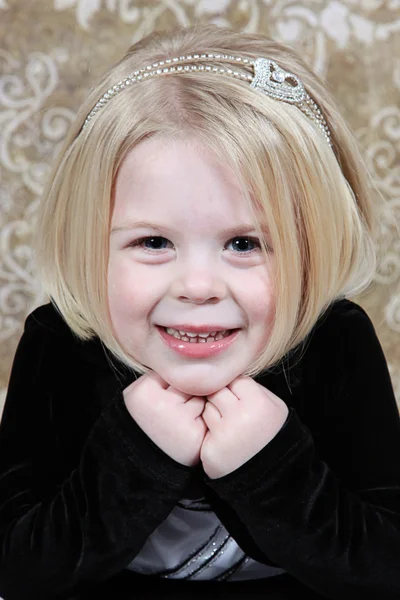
{"x":51,"y":49}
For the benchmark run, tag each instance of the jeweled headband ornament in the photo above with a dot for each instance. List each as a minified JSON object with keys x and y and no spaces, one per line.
{"x":267,"y":77}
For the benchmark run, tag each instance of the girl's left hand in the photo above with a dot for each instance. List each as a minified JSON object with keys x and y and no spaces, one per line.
{"x":241,"y":418}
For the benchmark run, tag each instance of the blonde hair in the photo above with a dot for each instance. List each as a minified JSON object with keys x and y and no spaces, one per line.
{"x":316,"y":201}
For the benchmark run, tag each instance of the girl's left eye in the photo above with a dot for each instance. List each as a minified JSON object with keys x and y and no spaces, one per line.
{"x":243,"y":244}
{"x":153,"y":242}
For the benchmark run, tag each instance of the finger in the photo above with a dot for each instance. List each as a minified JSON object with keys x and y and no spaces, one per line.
{"x":211,"y":415}
{"x":151,"y":381}
{"x":223,"y":399}
{"x":196,"y":406}
{"x":156,"y":378}
{"x":134,"y":384}
{"x":242,"y":387}
{"x":248,"y":390}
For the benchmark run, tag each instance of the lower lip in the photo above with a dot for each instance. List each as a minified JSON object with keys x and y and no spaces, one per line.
{"x":198,"y":349}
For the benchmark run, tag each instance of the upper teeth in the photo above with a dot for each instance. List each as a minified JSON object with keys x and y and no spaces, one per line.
{"x":191,"y":334}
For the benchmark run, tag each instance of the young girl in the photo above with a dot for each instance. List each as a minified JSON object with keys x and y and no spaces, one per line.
{"x":200,"y":401}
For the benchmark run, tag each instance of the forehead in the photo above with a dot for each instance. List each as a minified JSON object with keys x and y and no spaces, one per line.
{"x":168,"y":176}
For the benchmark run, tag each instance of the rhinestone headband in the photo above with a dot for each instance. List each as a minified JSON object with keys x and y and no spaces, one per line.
{"x":267,"y":77}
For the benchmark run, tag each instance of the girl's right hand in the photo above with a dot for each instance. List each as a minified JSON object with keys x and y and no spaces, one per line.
{"x":171,"y":419}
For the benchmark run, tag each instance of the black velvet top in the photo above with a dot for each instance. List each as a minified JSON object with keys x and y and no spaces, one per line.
{"x":82,"y":487}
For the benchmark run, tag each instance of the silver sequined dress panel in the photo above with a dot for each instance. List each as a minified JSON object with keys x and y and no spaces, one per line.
{"x":193,"y":544}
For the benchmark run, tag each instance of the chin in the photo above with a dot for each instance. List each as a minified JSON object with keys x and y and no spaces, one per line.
{"x":196,"y":387}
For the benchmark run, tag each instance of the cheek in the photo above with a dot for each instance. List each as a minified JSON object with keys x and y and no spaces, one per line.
{"x":120,"y":286}
{"x":132,"y":290}
{"x":126,"y":295}
{"x":261,"y":318}
{"x":258,"y":298}
{"x":263,"y":306}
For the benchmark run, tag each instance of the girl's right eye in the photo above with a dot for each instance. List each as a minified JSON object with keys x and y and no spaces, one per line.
{"x":152,"y":243}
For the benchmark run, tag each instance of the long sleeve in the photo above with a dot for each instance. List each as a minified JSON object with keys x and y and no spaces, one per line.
{"x":322,"y":500}
{"x":81,"y":486}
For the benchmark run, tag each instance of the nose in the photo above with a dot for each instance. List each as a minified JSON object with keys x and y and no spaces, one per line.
{"x":199,"y":283}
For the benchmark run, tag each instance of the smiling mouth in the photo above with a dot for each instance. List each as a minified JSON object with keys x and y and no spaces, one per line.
{"x":196,"y":337}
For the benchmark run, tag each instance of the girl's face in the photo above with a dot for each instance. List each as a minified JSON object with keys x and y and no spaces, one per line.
{"x":189,"y":290}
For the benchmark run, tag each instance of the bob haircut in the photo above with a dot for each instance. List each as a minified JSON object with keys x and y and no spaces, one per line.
{"x":315,"y":200}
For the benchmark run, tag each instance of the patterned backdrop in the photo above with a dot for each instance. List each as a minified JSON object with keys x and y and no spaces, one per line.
{"x":50,"y":50}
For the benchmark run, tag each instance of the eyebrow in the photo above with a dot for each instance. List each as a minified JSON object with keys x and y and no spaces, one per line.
{"x":229,"y":232}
